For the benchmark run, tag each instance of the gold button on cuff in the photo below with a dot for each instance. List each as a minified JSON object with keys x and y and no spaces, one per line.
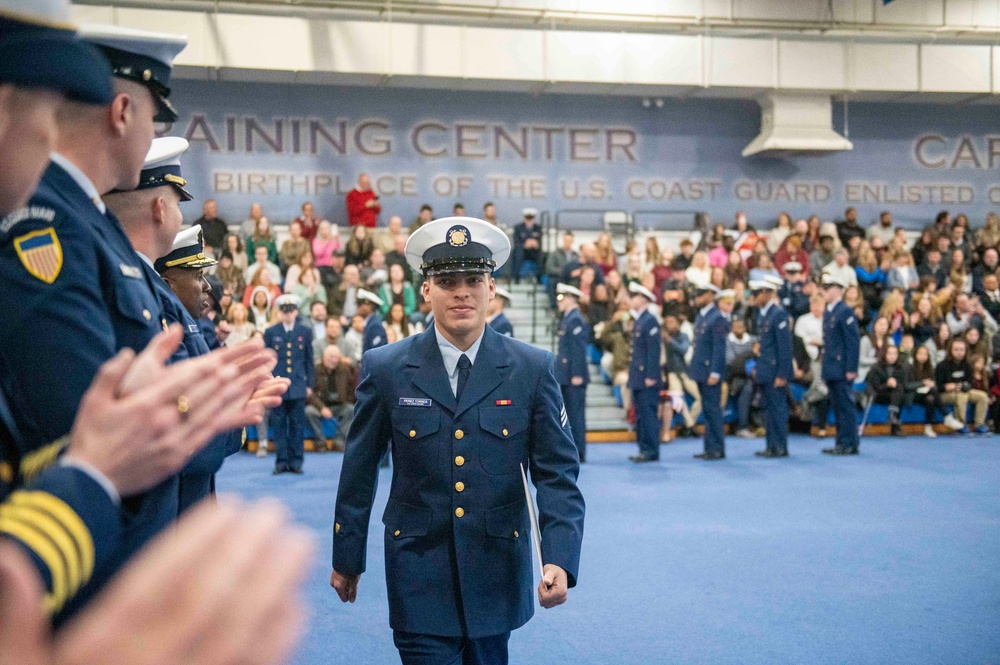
{"x":505,"y":431}
{"x":460,"y":486}
{"x":413,"y":433}
{"x":146,"y":315}
{"x":459,"y":461}
{"x":396,"y":532}
{"x":459,"y":512}
{"x":517,"y":535}
{"x":459,"y":434}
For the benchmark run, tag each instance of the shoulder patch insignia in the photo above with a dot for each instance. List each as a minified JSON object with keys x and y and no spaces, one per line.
{"x":377,"y":340}
{"x":577,"y":330}
{"x":40,"y":254}
{"x":850,"y":319}
{"x":653,"y":332}
{"x":783,"y":324}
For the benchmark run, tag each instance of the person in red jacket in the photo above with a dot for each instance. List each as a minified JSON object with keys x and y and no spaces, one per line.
{"x":362,"y":204}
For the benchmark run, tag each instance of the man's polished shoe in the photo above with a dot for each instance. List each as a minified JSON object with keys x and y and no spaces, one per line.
{"x":279,"y":470}
{"x":710,"y":457}
{"x":771,"y":453}
{"x":836,"y":451}
{"x":642,"y":458}
{"x":297,"y":472}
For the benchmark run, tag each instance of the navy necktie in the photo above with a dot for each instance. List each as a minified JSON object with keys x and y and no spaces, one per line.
{"x":464,"y":366}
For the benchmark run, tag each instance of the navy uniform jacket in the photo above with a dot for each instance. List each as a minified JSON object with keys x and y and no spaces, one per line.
{"x":709,"y":355}
{"x":793,"y":299}
{"x":75,"y":294}
{"x":841,"y":342}
{"x":571,"y":360}
{"x":775,"y":336}
{"x":502,"y":325}
{"x":645,"y":363}
{"x":456,"y":524}
{"x":374,"y":334}
{"x":294,"y":357}
{"x":208,"y":332}
{"x":57,"y":514}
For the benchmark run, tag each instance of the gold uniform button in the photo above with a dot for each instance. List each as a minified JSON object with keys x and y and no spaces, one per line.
{"x":396,"y":532}
{"x":459,"y":486}
{"x":459,"y":434}
{"x":459,"y":461}
{"x":146,"y":315}
{"x":505,"y":431}
{"x":459,"y":512}
{"x":517,"y":535}
{"x":336,"y":527}
{"x":413,"y":433}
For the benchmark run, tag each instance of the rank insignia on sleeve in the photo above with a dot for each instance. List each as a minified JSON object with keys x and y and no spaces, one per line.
{"x":40,"y":254}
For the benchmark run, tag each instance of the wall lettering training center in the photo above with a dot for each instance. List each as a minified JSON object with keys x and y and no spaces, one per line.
{"x":281,"y":145}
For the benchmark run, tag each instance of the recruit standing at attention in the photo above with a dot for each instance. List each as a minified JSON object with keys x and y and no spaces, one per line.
{"x":774,"y":367}
{"x":572,"y":371}
{"x":645,"y":378}
{"x":841,"y":343}
{"x":708,"y":367}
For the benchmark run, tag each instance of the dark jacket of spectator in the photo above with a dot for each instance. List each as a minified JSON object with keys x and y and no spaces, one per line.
{"x":215,"y":231}
{"x":333,"y":387}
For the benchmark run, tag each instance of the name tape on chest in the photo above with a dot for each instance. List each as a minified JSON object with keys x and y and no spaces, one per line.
{"x":414,"y":401}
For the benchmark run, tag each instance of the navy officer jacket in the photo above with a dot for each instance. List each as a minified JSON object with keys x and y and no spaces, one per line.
{"x":295,"y":357}
{"x":574,"y":333}
{"x":502,"y":325}
{"x":374,"y":334}
{"x":775,"y":335}
{"x":841,"y":342}
{"x":709,"y":356}
{"x":645,"y":363}
{"x":457,"y":536}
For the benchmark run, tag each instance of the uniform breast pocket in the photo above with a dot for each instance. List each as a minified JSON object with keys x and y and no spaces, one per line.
{"x":504,"y":441}
{"x":415,"y":423}
{"x":134,"y":301}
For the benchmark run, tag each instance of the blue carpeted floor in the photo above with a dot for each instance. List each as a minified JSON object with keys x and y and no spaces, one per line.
{"x":889,"y":557}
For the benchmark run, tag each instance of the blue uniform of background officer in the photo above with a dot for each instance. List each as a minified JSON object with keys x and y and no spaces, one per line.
{"x":464,"y":407}
{"x":572,"y":371}
{"x":644,"y":375}
{"x":292,"y":341}
{"x":841,"y":342}
{"x":708,"y":367}
{"x":374,"y":334}
{"x":774,"y":366}
{"x":497,"y":319}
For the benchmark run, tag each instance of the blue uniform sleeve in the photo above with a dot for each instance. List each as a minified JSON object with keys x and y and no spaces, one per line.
{"x":651,"y":349}
{"x":720,"y":328}
{"x":67,"y":524}
{"x":555,"y":465}
{"x":307,"y":358}
{"x":783,"y":331}
{"x":852,"y":342}
{"x":580,"y":335}
{"x":366,"y":443}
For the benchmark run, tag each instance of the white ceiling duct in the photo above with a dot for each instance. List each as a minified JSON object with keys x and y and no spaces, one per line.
{"x":796,"y":125}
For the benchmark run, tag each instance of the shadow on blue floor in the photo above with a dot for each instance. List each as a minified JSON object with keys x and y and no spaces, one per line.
{"x":889,"y":557}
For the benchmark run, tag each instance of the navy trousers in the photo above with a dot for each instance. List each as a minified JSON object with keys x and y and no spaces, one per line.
{"x":416,"y":649}
{"x":775,"y":417}
{"x":845,"y":414}
{"x":647,"y":422}
{"x":575,"y":399}
{"x":193,"y":487}
{"x":289,"y":423}
{"x":711,"y":407}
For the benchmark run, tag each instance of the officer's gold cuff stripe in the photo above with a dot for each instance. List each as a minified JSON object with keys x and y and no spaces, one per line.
{"x":36,"y":462}
{"x":69,"y":520}
{"x":47,"y":552}
{"x":49,"y":527}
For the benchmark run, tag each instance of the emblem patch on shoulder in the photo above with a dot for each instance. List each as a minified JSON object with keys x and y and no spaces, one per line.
{"x":40,"y":254}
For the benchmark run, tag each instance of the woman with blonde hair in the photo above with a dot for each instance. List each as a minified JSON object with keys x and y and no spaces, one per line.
{"x":653,"y":256}
{"x":699,"y":273}
{"x":777,"y":235}
{"x":305,"y":264}
{"x":604,"y":254}
{"x":894,"y":311}
{"x":989,"y":235}
{"x":240,"y":328}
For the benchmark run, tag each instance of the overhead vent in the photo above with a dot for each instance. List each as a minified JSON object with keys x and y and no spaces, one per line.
{"x":796,"y":125}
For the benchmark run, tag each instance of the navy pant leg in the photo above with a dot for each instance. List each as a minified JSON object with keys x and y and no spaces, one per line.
{"x":575,"y":399}
{"x":279,"y":424}
{"x":846,"y":414}
{"x":776,"y":406}
{"x":711,"y":406}
{"x":647,"y":427}
{"x":296,"y":432}
{"x":416,"y":649}
{"x":192,"y":488}
{"x":743,"y":404}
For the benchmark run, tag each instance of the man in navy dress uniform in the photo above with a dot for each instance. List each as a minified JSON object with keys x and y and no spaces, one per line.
{"x":774,"y":366}
{"x":75,"y":291}
{"x":292,"y":341}
{"x":708,"y":367}
{"x":841,"y":342}
{"x":645,"y":378}
{"x":497,"y":319}
{"x":464,"y":407}
{"x":572,"y":371}
{"x":374,"y":334}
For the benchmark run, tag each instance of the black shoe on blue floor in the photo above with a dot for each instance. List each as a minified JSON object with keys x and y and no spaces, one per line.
{"x":771,"y":453}
{"x":642,"y":458}
{"x":297,"y":472}
{"x":836,"y":451}
{"x":710,"y":457}
{"x":279,"y":470}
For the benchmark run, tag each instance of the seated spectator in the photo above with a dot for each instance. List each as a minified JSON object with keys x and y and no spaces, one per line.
{"x":375,"y":272}
{"x":854,"y":300}
{"x":396,"y":290}
{"x":363,"y":206}
{"x":893,"y":308}
{"x":309,"y":222}
{"x":262,"y":237}
{"x":249,"y":226}
{"x":398,"y":257}
{"x":400,"y":323}
{"x":809,"y":327}
{"x":240,"y":327}
{"x":617,"y":291}
{"x":360,"y":247}
{"x":651,"y":256}
{"x":293,"y":248}
{"x":926,"y":391}
{"x":310,"y":291}
{"x":968,"y":311}
{"x":633,"y":269}
{"x":682,"y":261}
{"x":883,"y":229}
{"x":823,"y":254}
{"x":526,"y":245}
{"x":261,"y":279}
{"x":889,"y":382}
{"x":791,"y":252}
{"x":594,"y":303}
{"x":354,"y":338}
{"x":739,"y":351}
{"x":977,"y":344}
{"x":213,"y":227}
{"x":840,"y":269}
{"x":326,"y":242}
{"x":872,"y":346}
{"x":385,"y":238}
{"x":934,"y":268}
{"x":299,"y":268}
{"x":734,"y":268}
{"x":699,"y":273}
{"x":937,"y":345}
{"x":953,"y":377}
{"x":923,"y":322}
{"x":316,"y":319}
{"x":989,"y":235}
{"x":332,"y":334}
{"x":777,"y":235}
{"x":903,"y":275}
{"x":332,"y":397}
{"x":763,"y":265}
{"x":849,"y":229}
{"x":229,"y":273}
{"x":260,"y":310}
{"x":234,"y":245}
{"x":490,"y":213}
{"x":927,"y":240}
{"x":261,"y":262}
{"x":556,"y":262}
{"x":342,"y":300}
{"x":959,"y":241}
{"x":605,"y":256}
{"x":616,"y":340}
{"x":983,"y":382}
{"x":871,"y":279}
{"x":426,"y":215}
{"x":676,"y":344}
{"x":990,"y":295}
{"x":988,"y":265}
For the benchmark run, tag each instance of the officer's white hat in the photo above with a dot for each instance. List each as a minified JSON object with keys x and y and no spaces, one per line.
{"x":188,"y":252}
{"x":640,"y":290}
{"x":505,"y":294}
{"x":287,"y":302}
{"x":830,"y":280}
{"x":726,"y":294}
{"x":792,"y":266}
{"x":457,"y":244}
{"x":758,"y":285}
{"x":144,"y":57}
{"x":529,"y":212}
{"x":566,"y":289}
{"x":163,"y":166}
{"x":364,"y":295}
{"x":707,"y":286}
